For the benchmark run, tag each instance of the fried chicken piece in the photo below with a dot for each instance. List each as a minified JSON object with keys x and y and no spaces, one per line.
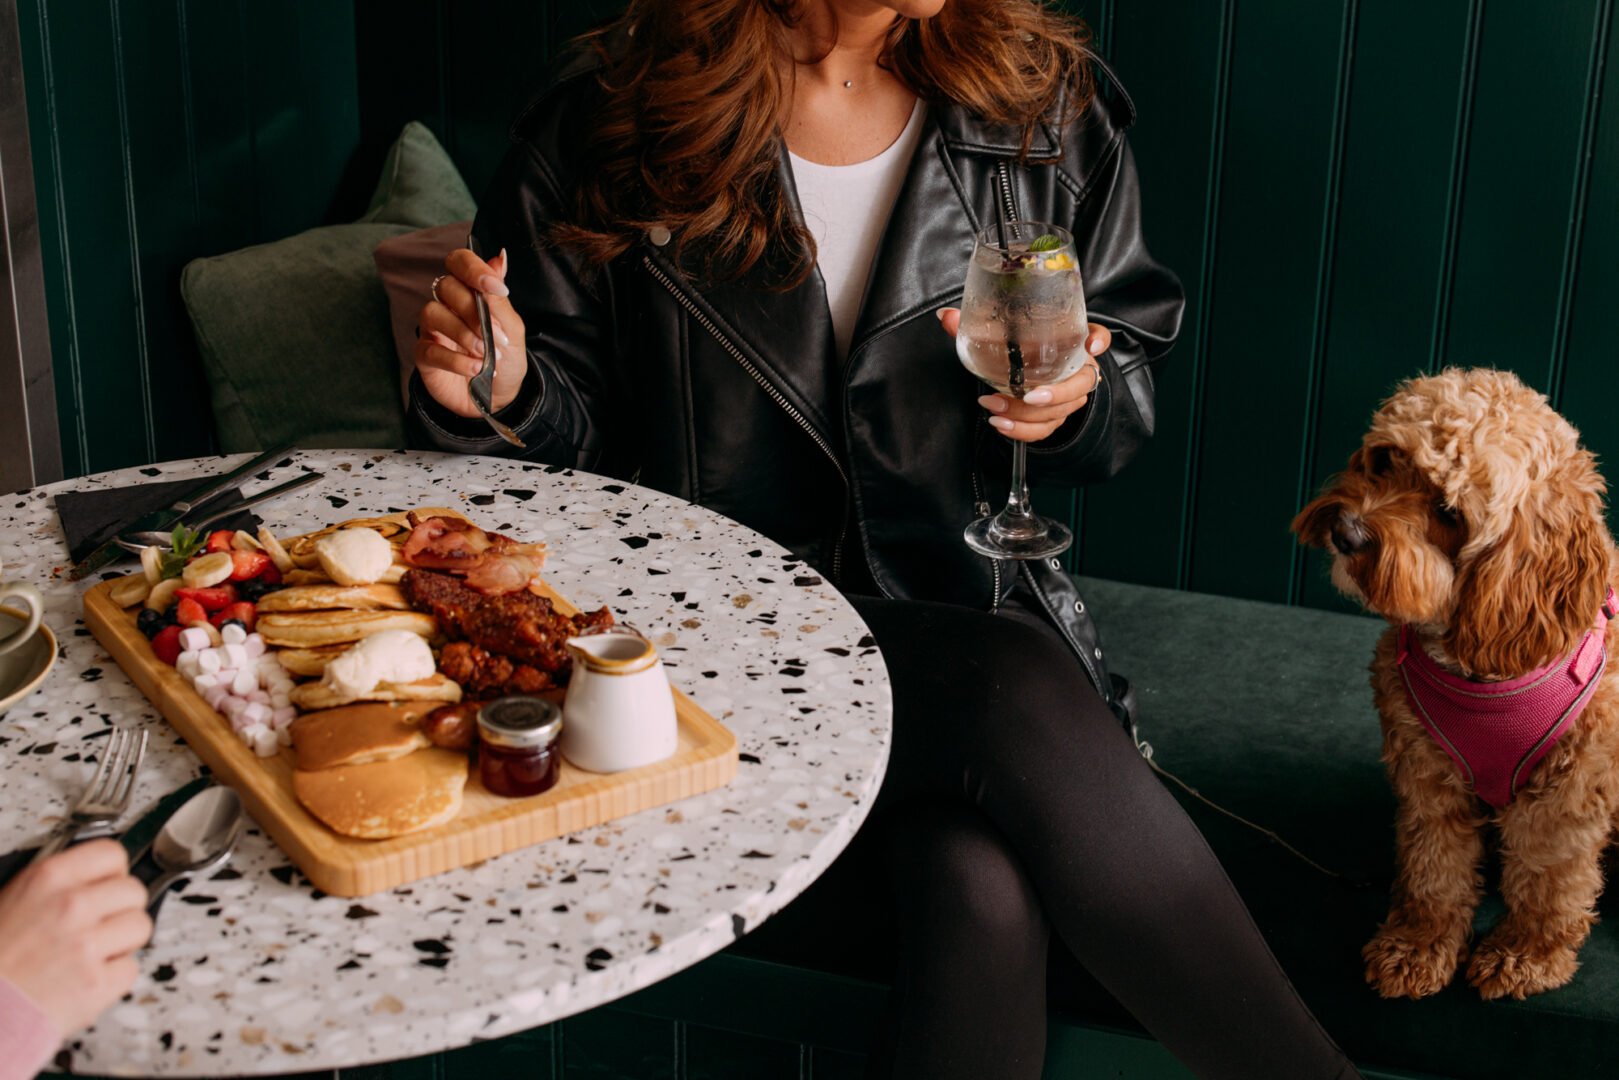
{"x":484,"y":674}
{"x":520,"y":626}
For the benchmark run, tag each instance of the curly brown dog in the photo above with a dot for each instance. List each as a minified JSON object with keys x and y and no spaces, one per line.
{"x":1472,"y":520}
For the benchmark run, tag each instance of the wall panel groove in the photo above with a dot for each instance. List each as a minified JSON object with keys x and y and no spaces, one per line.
{"x":1324,"y":274}
{"x":1200,"y":334}
{"x":1580,"y":197}
{"x":1458,"y":178}
{"x":142,"y":346}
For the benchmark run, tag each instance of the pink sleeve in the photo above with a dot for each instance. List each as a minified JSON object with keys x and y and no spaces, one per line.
{"x":28,"y":1038}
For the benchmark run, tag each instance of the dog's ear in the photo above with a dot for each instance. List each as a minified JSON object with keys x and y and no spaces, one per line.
{"x":1527,"y":598}
{"x":1314,"y":524}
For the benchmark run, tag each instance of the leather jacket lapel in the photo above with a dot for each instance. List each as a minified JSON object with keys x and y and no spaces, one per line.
{"x":921,"y":264}
{"x":787,"y":336}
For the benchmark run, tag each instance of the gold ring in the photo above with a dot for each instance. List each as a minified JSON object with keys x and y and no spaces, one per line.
{"x":434,"y":287}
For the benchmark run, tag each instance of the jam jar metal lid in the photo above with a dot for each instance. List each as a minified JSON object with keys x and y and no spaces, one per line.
{"x":520,"y":722}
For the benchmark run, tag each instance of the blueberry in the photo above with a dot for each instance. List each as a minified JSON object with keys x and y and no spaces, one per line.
{"x":253,"y":589}
{"x":149,"y":622}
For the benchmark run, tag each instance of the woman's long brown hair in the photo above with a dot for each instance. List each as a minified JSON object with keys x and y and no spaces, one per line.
{"x":694,"y":91}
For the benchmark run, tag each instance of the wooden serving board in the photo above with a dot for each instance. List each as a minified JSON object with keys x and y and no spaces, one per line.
{"x":488,"y":825}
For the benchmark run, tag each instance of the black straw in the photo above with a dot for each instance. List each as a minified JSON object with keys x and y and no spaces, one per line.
{"x":1014,"y":352}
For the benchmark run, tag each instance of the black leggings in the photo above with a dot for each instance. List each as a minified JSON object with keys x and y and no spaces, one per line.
{"x":1017,"y":805}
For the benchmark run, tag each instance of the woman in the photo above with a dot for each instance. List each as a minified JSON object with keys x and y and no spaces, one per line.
{"x":722,"y":236}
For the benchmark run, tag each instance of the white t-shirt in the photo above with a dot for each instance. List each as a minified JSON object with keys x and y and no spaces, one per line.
{"x":846,"y":208}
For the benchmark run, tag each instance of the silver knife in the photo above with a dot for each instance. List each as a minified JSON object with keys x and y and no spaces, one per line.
{"x":170,"y":515}
{"x":482,"y":385}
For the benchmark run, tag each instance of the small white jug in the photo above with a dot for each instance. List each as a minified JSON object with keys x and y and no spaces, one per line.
{"x":619,"y":713}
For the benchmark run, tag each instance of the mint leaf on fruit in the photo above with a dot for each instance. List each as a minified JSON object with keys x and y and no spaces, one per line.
{"x":1045,"y":242}
{"x":183,"y":543}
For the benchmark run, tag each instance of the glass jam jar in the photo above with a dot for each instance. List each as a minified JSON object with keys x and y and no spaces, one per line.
{"x":517,"y":752}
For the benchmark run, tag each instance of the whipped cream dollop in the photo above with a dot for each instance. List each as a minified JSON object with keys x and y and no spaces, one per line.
{"x":354,"y":556}
{"x":392,"y":656}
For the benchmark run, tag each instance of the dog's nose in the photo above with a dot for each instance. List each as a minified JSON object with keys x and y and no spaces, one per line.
{"x":1349,"y":535}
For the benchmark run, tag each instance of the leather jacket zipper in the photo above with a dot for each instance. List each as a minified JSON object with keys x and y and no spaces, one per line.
{"x":775,"y":395}
{"x":1004,"y":172}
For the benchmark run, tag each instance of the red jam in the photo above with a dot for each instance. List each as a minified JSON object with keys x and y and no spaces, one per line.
{"x":517,"y":746}
{"x":516,"y":773}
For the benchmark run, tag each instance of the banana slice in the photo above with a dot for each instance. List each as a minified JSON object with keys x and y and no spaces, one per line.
{"x":244,"y":541}
{"x":130,"y":590}
{"x":272,"y":547}
{"x":206,"y":570}
{"x":162,"y":594}
{"x":152,"y":563}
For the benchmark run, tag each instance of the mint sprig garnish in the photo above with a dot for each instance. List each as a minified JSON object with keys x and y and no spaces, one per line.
{"x":1045,"y":242}
{"x":184,"y":543}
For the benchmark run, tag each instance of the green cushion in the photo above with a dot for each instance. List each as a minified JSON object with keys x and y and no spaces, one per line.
{"x":1267,"y":711}
{"x":420,"y":185}
{"x":295,"y":335}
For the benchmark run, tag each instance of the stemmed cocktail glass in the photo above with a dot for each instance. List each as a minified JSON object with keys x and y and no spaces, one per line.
{"x":1022,"y":326}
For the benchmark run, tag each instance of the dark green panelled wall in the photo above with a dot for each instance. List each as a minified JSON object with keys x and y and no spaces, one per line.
{"x":1353,"y":191}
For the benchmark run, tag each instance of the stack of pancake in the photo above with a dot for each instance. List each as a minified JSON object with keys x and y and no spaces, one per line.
{"x":369,"y":771}
{"x":309,"y":626}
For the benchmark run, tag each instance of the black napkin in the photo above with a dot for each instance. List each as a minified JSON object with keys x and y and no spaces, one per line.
{"x":90,"y":518}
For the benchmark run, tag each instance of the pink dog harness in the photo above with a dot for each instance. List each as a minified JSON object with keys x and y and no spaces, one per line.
{"x":1497,"y":732}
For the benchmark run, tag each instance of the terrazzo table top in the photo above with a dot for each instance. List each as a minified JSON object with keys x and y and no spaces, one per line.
{"x":252,"y":971}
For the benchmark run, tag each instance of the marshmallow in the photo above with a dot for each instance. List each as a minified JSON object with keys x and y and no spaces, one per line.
{"x":232,"y":634}
{"x":283,"y":735}
{"x":259,"y":697}
{"x":254,"y":713}
{"x":210,"y":661}
{"x":216,"y":696}
{"x":193,"y":639}
{"x":245,"y":683}
{"x":204,"y":682}
{"x":280,"y":699}
{"x":265,"y":742}
{"x":235,"y":655}
{"x":186,"y":664}
{"x":284,"y":715}
{"x":255,"y":646}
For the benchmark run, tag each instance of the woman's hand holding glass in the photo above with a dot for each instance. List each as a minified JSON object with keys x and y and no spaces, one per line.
{"x":1043,"y":409}
{"x":449,"y":348}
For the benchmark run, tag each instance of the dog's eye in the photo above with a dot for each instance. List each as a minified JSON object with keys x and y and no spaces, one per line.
{"x":1446,"y":514}
{"x":1379,"y":459}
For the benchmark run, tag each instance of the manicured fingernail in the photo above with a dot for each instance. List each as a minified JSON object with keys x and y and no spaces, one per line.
{"x":1041,"y":396}
{"x":993,"y":402}
{"x":940,"y":314}
{"x":492,"y":285}
{"x":1095,"y":345}
{"x":504,"y":263}
{"x":1001,"y":423}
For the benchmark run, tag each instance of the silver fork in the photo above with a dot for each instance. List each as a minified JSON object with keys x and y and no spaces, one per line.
{"x":109,"y":792}
{"x":481,"y":388}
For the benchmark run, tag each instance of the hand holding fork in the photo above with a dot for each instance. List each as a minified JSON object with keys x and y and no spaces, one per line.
{"x":108,"y":795}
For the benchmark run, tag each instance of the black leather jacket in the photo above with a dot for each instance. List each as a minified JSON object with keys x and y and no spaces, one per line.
{"x":732,"y":395}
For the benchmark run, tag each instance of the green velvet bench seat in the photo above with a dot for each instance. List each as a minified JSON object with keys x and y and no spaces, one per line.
{"x":1266,"y":710}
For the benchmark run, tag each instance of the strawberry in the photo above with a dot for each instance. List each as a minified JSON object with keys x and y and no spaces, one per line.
{"x":242,"y":611}
{"x":189,"y":613}
{"x":270,"y":575}
{"x":212,"y":598}
{"x":167,"y":644}
{"x":248,"y":564}
{"x":219,"y":540}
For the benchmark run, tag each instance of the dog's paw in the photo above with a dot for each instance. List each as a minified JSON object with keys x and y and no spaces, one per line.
{"x":1404,"y":963}
{"x":1502,"y":967}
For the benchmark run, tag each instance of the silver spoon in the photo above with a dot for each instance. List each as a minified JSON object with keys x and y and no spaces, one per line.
{"x":199,"y":836}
